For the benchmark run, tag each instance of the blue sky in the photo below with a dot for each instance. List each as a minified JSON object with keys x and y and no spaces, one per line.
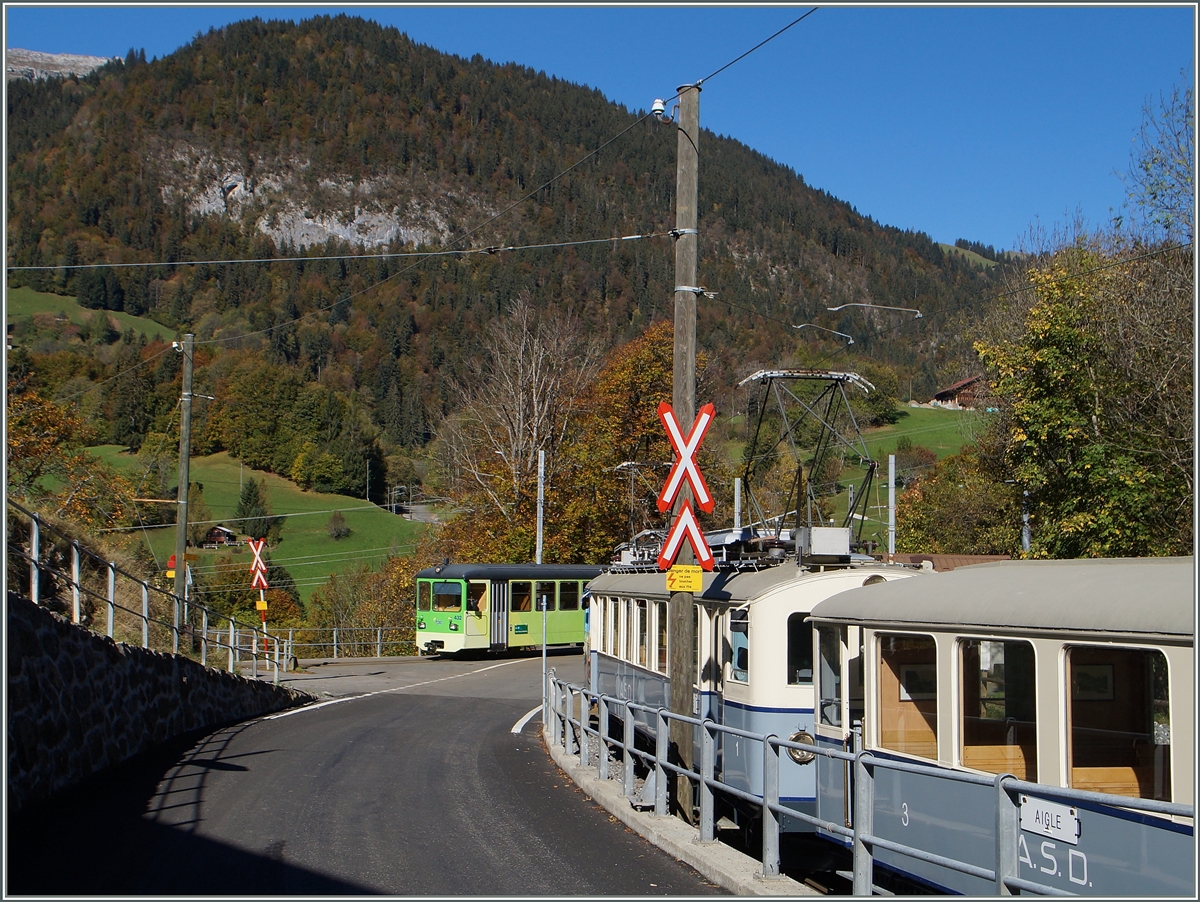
{"x":963,"y":122}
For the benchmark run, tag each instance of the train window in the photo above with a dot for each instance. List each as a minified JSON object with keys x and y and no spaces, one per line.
{"x":596,"y":611}
{"x":739,"y":645}
{"x":799,"y":650}
{"x":618,"y":637}
{"x":423,"y":593}
{"x":999,"y":723}
{"x":660,"y":608}
{"x":642,"y":631}
{"x":908,"y":694}
{"x":829,"y":639}
{"x":447,"y":596}
{"x":520,"y":597}
{"x":477,"y":597}
{"x":568,"y":596}
{"x":545,"y":596}
{"x":1120,"y":725}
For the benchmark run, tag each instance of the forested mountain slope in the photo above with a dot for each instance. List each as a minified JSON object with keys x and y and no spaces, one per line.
{"x":340,"y":138}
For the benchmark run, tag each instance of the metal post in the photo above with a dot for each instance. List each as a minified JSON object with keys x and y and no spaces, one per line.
{"x":232,"y":643}
{"x":543,"y":604}
{"x":74,"y":582}
{"x":770,"y":820}
{"x":379,"y":642}
{"x":112,"y":597}
{"x":145,"y":616}
{"x":627,"y":752}
{"x":175,"y":604}
{"x":891,"y":505}
{"x":541,"y":502}
{"x":1026,"y":535}
{"x":683,"y":398}
{"x":204,"y":636}
{"x":708,"y":760}
{"x":864,"y":804}
{"x":1007,"y":847}
{"x":185,"y":445}
{"x":584,"y":744}
{"x":661,"y":751}
{"x":553,"y":708}
{"x":737,"y":503}
{"x":603,"y":707}
{"x":35,"y":552}
{"x":335,"y":648}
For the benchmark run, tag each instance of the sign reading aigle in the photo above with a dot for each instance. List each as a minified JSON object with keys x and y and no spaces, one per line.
{"x":685,"y":469}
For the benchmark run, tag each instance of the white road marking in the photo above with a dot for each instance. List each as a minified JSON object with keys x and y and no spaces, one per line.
{"x":351,"y":698}
{"x":520,"y":724}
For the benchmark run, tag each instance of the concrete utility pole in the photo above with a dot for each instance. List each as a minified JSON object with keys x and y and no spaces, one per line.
{"x":681,"y":628}
{"x":185,"y":445}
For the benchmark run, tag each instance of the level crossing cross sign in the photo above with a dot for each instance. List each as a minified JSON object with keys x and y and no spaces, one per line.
{"x":684,"y":468}
{"x":259,"y":566}
{"x":685,"y":458}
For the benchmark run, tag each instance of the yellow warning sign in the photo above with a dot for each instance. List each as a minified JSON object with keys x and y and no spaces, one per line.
{"x":685,"y":578}
{"x":260,"y":605}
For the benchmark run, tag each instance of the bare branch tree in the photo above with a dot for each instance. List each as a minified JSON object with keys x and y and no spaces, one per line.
{"x":516,"y":401}
{"x":1161,"y":177}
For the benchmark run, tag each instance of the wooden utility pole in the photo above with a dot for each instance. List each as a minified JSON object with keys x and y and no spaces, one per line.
{"x":185,"y":445}
{"x":681,"y":629}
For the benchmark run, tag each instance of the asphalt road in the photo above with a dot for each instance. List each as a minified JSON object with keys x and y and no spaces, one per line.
{"x":407,"y":780}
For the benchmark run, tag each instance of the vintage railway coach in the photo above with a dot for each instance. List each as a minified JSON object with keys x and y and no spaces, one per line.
{"x":1075,"y":674}
{"x":497,"y":607}
{"x":753,"y":656}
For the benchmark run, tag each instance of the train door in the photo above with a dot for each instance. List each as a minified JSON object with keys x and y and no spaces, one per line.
{"x":477,"y":625}
{"x":832,"y":722}
{"x":499,"y":618}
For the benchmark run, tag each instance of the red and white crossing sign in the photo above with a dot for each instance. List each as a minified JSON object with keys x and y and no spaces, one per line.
{"x":685,"y":458}
{"x":685,"y":526}
{"x":259,"y":567}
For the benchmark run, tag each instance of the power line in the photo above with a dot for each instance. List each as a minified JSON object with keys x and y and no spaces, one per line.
{"x":474,"y":251}
{"x":758,"y":45}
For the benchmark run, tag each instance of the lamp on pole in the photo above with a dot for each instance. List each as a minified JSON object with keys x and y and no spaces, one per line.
{"x":879,"y":307}
{"x":849,"y":340}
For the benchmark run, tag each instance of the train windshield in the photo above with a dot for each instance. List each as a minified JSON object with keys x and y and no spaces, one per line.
{"x":447,"y":596}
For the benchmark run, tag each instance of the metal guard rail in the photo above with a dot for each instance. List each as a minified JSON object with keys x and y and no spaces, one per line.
{"x":575,"y":734}
{"x":274,"y":651}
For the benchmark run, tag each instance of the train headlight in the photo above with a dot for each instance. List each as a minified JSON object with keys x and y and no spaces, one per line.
{"x":798,"y":755}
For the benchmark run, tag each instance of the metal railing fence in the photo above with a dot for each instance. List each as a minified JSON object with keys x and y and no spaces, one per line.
{"x":352,"y":641}
{"x":64,"y":575}
{"x":570,"y":727}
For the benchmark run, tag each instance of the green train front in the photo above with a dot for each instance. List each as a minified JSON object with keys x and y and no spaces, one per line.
{"x":496,"y":607}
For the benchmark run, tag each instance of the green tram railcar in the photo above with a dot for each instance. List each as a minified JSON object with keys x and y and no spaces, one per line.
{"x":498,"y":607}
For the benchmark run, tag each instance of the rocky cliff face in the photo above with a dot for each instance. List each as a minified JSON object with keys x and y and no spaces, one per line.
{"x":32,"y":65}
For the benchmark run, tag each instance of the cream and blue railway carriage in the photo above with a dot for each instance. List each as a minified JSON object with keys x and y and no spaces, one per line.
{"x":497,"y":607}
{"x":753,"y":656}
{"x":1075,"y":674}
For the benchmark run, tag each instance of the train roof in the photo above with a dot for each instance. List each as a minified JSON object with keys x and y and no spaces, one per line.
{"x":1127,"y":596}
{"x":511,"y":571}
{"x":724,"y":587}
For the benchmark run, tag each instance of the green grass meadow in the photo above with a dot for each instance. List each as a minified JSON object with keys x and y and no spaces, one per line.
{"x":24,"y":302}
{"x":305,"y":547}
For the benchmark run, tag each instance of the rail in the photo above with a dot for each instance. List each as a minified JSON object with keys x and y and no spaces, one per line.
{"x":351,"y":641}
{"x":62,"y":573}
{"x":569,"y":725}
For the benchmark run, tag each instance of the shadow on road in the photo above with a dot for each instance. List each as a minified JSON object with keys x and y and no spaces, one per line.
{"x":101,"y":837}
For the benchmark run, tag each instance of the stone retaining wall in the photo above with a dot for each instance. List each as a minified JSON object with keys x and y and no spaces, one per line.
{"x":79,"y":702}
